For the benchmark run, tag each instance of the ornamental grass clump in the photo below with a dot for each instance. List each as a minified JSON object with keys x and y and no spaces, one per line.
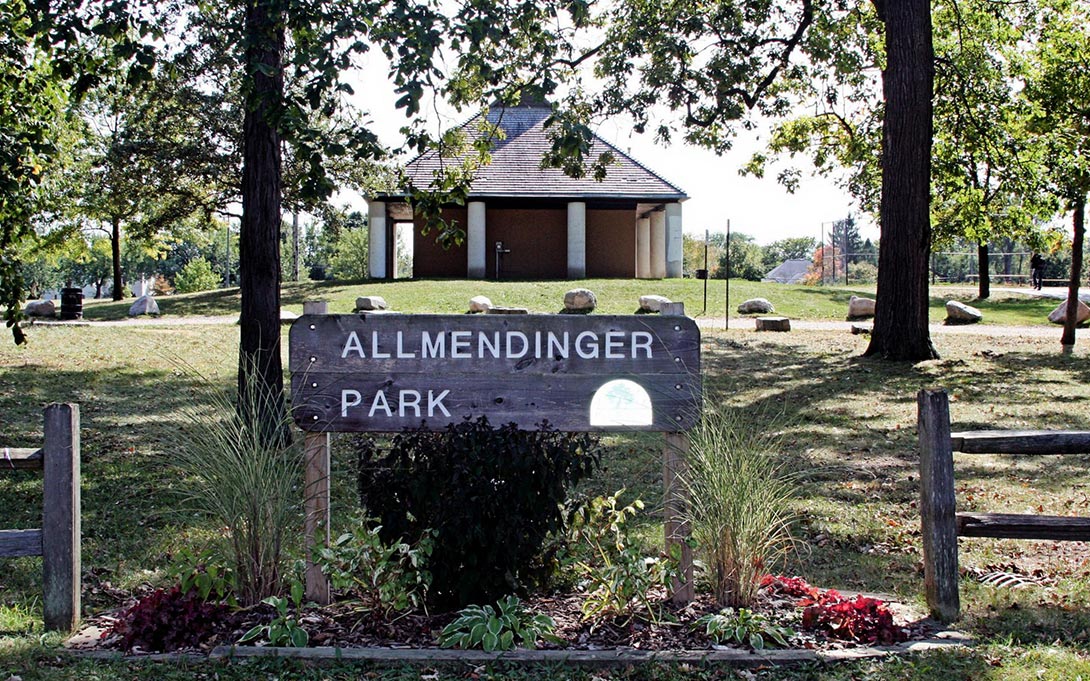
{"x":740,"y":497}
{"x":245,"y":474}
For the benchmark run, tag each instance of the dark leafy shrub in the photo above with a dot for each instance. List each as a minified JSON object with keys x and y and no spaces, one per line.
{"x":167,"y":620}
{"x":491,"y":495}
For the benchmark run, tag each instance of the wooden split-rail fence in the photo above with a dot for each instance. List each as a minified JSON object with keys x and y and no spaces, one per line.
{"x":941,"y":524}
{"x":58,"y":539}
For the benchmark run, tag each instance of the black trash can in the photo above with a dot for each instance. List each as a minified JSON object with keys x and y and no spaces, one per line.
{"x":71,"y":303}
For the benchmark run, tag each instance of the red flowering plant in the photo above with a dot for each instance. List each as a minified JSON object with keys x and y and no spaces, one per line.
{"x":862,"y":619}
{"x":795,"y":587}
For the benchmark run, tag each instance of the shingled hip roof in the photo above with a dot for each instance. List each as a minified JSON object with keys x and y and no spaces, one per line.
{"x":515,"y":170}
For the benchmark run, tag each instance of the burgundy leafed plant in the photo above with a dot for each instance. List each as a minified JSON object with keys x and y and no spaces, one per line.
{"x":166,"y":620}
{"x":795,"y":587}
{"x":862,"y":619}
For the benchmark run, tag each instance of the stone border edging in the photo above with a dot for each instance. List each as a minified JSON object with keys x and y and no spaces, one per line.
{"x":587,"y":658}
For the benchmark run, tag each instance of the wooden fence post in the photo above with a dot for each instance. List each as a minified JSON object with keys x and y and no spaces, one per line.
{"x":61,"y":518}
{"x":676,"y":502}
{"x":938,"y":523}
{"x":316,"y":518}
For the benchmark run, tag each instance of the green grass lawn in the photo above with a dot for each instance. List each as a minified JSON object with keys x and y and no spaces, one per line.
{"x":615,"y":296}
{"x":850,"y":434}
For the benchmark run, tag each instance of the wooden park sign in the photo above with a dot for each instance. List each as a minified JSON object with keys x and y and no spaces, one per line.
{"x":388,"y":372}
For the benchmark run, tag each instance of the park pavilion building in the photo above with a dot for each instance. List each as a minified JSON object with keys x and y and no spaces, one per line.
{"x":527,"y":222}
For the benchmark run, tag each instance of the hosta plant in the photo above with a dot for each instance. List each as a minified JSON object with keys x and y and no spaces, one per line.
{"x":284,"y":629}
{"x":744,"y":627}
{"x":500,"y":628}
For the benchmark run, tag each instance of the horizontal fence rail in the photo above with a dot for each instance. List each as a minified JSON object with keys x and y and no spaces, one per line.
{"x":20,"y":459}
{"x":58,"y":540}
{"x":941,"y":525}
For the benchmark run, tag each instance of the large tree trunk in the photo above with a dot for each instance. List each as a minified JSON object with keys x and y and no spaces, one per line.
{"x":900,"y":319}
{"x":1072,"y":311}
{"x":983,"y":281}
{"x":260,"y":372}
{"x":115,"y":252}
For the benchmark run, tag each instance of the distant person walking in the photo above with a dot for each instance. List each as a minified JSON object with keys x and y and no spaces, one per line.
{"x":1036,"y":270}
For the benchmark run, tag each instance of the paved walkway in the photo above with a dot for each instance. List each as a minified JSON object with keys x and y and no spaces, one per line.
{"x":1042,"y":331}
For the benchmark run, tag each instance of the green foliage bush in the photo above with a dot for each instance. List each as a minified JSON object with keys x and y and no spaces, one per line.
{"x":205,"y":573}
{"x":619,"y":579}
{"x":746,"y":259}
{"x":197,"y":275}
{"x":491,"y":495}
{"x":349,"y":259}
{"x":862,"y":273}
{"x":390,"y":577}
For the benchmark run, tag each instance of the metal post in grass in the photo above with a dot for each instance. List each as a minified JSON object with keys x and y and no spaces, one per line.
{"x":726,"y":280}
{"x":61,"y":518}
{"x":938,"y":523}
{"x":676,"y":502}
{"x":316,"y":519}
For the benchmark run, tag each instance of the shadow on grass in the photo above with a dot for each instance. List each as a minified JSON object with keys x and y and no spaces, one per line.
{"x":850,"y":425}
{"x":129,"y":422}
{"x":1032,"y":624}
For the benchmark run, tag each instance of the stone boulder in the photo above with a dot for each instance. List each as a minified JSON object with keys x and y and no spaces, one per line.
{"x":1059,"y":315}
{"x":40,"y":308}
{"x":756,"y":306}
{"x":652,"y":303}
{"x":144,"y":305}
{"x":960,"y":313}
{"x":860,"y":308}
{"x":371,"y":303}
{"x":580,"y":301}
{"x":773,"y":324}
{"x":479,"y":304}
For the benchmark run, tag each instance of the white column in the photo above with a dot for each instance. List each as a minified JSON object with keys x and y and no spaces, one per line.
{"x":577,"y":240}
{"x":658,"y":244}
{"x":673,"y":241}
{"x":376,"y":239}
{"x":643,"y":248}
{"x":476,"y":246}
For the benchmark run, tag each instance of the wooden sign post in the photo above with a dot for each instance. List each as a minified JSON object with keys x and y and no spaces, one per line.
{"x":316,"y":515}
{"x":676,"y":498}
{"x":576,"y":373}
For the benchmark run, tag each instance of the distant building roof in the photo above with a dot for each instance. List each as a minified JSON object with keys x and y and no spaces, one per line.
{"x":515,"y":170}
{"x":789,"y":272}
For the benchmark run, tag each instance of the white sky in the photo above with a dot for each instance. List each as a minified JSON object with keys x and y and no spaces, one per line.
{"x":759,"y":207}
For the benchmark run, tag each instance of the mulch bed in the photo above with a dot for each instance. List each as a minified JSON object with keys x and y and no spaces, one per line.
{"x":349,"y":624}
